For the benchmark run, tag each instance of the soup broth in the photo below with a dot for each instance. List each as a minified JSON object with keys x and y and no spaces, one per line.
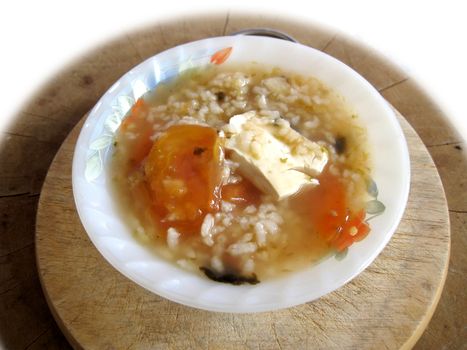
{"x":182,"y":191}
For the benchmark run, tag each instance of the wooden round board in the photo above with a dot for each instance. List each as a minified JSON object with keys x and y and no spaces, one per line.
{"x":387,"y":306}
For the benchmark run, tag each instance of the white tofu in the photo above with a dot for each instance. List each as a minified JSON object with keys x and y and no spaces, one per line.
{"x":274,"y":157}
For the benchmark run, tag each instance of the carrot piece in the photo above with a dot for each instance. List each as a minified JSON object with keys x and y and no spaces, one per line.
{"x":221,"y":56}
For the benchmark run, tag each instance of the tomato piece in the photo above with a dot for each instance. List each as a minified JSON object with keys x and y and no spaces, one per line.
{"x":242,"y":193}
{"x":183,"y":171}
{"x":140,"y":129}
{"x":138,"y":112}
{"x":142,"y":202}
{"x":326,"y":206}
{"x":142,"y":147}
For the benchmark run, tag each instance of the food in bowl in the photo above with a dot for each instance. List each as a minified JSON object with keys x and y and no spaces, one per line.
{"x":113,"y":231}
{"x":242,"y":172}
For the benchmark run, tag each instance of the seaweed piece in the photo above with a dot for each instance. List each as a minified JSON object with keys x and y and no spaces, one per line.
{"x":229,"y":277}
{"x":220,"y":96}
{"x":198,"y":151}
{"x":340,"y":145}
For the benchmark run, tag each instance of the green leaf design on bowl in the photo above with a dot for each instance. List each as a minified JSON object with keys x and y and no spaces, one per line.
{"x":372,"y":188}
{"x":375,"y":207}
{"x":123,"y":105}
{"x":341,"y":255}
{"x":97,"y":148}
{"x":139,"y":88}
{"x":112,"y":123}
{"x":102,"y":142}
{"x":93,"y":167}
{"x":188,"y":64}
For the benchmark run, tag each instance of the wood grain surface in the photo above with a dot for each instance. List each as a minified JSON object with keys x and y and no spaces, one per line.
{"x":387,"y":306}
{"x":29,"y":143}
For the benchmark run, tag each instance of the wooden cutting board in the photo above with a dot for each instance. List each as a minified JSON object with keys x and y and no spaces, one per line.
{"x":386,"y":306}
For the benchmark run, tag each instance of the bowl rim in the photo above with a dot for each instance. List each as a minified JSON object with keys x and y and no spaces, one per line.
{"x":390,"y":115}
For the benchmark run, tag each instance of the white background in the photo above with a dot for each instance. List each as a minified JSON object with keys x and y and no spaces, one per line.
{"x":426,"y":38}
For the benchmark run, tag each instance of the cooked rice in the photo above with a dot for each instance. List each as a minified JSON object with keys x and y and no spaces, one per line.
{"x":260,"y":234}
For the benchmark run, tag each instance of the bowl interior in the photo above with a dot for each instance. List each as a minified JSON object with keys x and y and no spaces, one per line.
{"x":115,"y":242}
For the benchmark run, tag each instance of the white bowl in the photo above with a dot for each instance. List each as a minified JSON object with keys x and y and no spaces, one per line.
{"x":113,"y":239}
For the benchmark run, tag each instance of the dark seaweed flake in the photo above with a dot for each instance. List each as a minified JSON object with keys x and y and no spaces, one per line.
{"x":231,"y":278}
{"x":340,"y":145}
{"x":198,"y":151}
{"x":220,"y":96}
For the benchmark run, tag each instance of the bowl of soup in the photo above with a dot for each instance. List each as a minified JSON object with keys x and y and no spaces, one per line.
{"x":241,"y":174}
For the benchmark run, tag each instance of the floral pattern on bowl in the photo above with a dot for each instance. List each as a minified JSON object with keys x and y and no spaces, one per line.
{"x":120,"y":107}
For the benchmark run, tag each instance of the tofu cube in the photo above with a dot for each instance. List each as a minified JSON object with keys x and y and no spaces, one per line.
{"x":273,"y":156}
